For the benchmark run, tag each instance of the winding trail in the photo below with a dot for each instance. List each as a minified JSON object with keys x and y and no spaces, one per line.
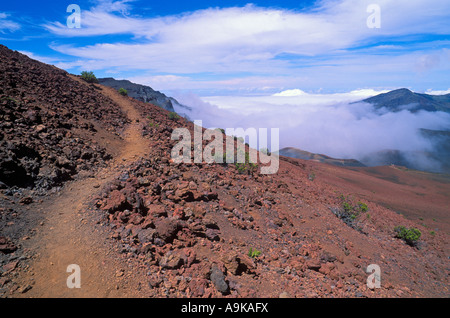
{"x":68,"y":236}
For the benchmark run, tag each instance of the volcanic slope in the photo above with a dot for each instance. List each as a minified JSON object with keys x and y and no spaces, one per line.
{"x":140,"y":225}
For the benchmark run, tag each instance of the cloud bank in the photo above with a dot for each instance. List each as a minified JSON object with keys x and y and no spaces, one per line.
{"x":331,"y":124}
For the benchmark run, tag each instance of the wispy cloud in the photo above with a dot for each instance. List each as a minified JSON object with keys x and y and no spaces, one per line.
{"x":438,"y":92}
{"x":324,"y":42}
{"x":6,"y":24}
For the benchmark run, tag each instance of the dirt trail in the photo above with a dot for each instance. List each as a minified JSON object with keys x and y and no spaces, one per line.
{"x":69,"y":237}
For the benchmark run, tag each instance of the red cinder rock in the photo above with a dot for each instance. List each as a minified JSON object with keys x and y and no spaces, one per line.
{"x":173,"y":259}
{"x":6,"y":246}
{"x":116,"y":201}
{"x":168,"y":228}
{"x":156,"y":210}
{"x":313,"y":264}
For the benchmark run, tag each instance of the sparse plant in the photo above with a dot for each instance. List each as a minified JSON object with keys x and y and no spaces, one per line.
{"x":246,"y":166}
{"x":89,"y":77}
{"x":173,"y":116}
{"x":152,"y":124}
{"x":123,"y":92}
{"x":410,"y":236}
{"x":363,"y":207}
{"x":240,"y":167}
{"x":253,"y":253}
{"x":347,"y":206}
{"x":349,"y":212}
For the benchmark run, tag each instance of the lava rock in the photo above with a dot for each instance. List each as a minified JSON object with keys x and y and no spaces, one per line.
{"x":217,"y":277}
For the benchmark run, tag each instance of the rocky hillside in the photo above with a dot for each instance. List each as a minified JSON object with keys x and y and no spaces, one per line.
{"x":140,"y":92}
{"x":49,"y":124}
{"x":210,"y":230}
{"x":147,"y":94}
{"x":148,"y":227}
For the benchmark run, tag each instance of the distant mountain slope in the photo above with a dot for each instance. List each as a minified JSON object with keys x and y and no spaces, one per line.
{"x":403,"y":98}
{"x":143,"y":93}
{"x":441,"y":140}
{"x":305,"y":155}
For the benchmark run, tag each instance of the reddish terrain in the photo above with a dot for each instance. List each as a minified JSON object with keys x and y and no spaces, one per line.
{"x":140,"y":225}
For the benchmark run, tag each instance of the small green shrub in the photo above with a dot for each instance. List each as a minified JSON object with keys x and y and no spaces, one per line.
{"x":363,"y":207}
{"x":349,"y":212}
{"x":173,"y":116}
{"x":152,"y":124}
{"x":123,"y":92}
{"x":347,"y":207}
{"x":247,"y":166}
{"x":253,"y":253}
{"x":89,"y":77}
{"x":410,"y":236}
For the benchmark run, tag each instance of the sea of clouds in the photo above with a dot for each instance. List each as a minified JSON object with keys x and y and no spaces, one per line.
{"x":337,"y":125}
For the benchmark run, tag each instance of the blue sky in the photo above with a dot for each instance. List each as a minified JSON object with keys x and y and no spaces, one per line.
{"x":236,"y":47}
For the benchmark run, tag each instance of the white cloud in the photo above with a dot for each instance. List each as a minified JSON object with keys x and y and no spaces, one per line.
{"x":42,"y":59}
{"x":158,"y":80}
{"x":291,"y":92}
{"x":288,"y":100}
{"x":438,"y":92}
{"x":121,"y":6}
{"x":245,"y":84}
{"x":333,"y":124}
{"x":256,"y":41}
{"x":250,"y":32}
{"x":7,"y":24}
{"x":358,"y":94}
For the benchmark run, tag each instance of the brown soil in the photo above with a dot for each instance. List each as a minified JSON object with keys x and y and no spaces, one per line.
{"x":420,"y":196}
